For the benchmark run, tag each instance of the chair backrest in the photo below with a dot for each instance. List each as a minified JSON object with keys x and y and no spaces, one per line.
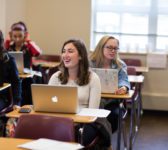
{"x":42,"y":126}
{"x":50,"y":72}
{"x":54,"y":58}
{"x":131,"y":70}
{"x":132,"y":62}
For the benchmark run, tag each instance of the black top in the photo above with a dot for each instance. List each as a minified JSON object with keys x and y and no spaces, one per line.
{"x":10,"y":74}
{"x":1,"y":73}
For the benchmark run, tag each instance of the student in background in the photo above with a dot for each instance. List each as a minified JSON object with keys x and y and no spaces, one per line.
{"x":106,"y":55}
{"x":9,"y":74}
{"x":19,"y":41}
{"x":74,"y":71}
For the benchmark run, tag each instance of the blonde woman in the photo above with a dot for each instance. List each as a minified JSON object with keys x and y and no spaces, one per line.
{"x":106,"y":55}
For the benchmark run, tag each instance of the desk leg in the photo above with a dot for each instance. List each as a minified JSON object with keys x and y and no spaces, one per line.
{"x":131,"y":124}
{"x":119,"y":126}
{"x":134,"y":119}
{"x":140,"y":109}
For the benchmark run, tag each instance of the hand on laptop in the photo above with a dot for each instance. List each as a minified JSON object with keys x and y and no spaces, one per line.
{"x":122,"y":90}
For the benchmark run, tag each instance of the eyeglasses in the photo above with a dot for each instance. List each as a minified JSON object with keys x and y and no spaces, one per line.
{"x":110,"y":48}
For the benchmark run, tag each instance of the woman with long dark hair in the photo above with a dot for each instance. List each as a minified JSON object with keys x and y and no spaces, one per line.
{"x":75,"y":71}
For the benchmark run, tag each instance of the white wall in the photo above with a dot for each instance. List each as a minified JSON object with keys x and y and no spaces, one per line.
{"x":15,"y":11}
{"x":51,"y":22}
{"x":2,"y":15}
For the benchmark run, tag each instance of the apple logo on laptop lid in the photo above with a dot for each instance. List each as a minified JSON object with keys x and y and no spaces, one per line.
{"x":54,"y":99}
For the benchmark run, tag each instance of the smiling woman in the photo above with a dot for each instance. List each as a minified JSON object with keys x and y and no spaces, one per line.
{"x":74,"y":71}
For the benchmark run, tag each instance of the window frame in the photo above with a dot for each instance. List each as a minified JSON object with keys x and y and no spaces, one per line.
{"x":153,"y":12}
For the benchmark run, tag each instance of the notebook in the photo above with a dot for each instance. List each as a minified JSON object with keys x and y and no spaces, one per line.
{"x":108,"y":79}
{"x":50,"y":98}
{"x":19,"y":60}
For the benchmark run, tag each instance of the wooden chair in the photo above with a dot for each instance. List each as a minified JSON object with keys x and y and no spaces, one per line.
{"x":49,"y":72}
{"x":42,"y":126}
{"x":132,"y":62}
{"x":52,"y":58}
{"x":45,"y":70}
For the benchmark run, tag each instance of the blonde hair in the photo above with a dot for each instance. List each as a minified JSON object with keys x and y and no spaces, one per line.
{"x":98,"y":57}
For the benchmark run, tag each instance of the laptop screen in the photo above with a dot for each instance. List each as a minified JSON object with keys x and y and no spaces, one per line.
{"x":19,"y":60}
{"x":108,"y":79}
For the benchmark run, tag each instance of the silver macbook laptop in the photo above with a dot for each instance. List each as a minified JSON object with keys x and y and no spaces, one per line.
{"x":108,"y":79}
{"x":19,"y":60}
{"x":49,"y":98}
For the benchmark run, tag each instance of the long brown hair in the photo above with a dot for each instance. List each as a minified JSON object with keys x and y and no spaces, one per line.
{"x":4,"y":57}
{"x":1,"y":45}
{"x":83,"y":71}
{"x":98,"y":57}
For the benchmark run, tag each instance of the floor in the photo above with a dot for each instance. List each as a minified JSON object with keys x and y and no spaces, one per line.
{"x":153,"y":132}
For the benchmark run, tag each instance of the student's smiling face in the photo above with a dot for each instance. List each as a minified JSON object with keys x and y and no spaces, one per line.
{"x":18,"y":37}
{"x":70,"y":56}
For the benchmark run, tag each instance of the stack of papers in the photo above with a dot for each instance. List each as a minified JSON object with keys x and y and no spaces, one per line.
{"x":32,"y":72}
{"x":47,"y":144}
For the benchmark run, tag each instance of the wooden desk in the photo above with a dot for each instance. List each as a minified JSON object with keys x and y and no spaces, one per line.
{"x":45,"y":64}
{"x":29,"y":73}
{"x":5,"y":86}
{"x":141,"y":69}
{"x":75,"y":117}
{"x":115,"y":96}
{"x":26,"y":75}
{"x":120,"y":98}
{"x":12,"y":143}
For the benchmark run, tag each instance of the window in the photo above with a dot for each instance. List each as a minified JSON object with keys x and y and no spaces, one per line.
{"x":140,"y":25}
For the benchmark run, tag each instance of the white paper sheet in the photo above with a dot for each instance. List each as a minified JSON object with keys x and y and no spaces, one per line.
{"x":32,"y":72}
{"x":47,"y":144}
{"x":102,"y":113}
{"x":157,"y":60}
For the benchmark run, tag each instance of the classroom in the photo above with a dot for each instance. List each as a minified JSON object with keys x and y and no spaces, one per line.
{"x":140,"y":28}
